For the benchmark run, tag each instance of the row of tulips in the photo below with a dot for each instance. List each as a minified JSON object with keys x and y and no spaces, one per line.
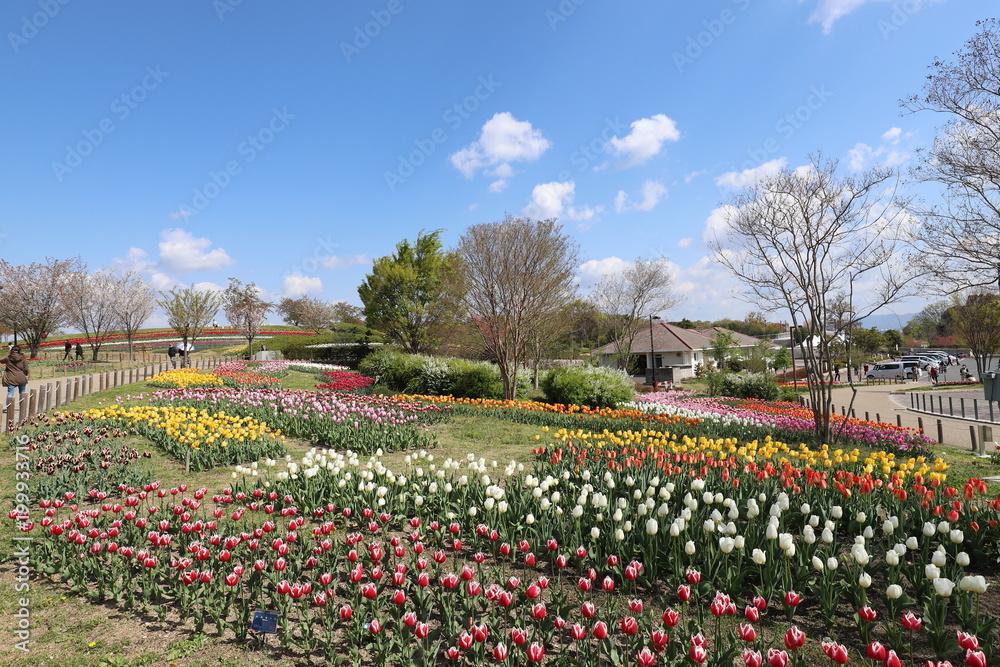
{"x":453,"y":578}
{"x":331,"y":419}
{"x":752,"y":419}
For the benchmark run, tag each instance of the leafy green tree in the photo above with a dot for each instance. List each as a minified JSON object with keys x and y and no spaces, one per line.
{"x":782,"y":359}
{"x":869,"y":341}
{"x":977,"y":326}
{"x":893,"y":338}
{"x":757,"y":359}
{"x":407,"y":294}
{"x":188,"y":312}
{"x":723,"y":345}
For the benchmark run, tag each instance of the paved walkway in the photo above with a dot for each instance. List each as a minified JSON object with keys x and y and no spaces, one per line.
{"x":889,"y":404}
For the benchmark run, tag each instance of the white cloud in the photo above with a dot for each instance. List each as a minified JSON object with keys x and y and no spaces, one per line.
{"x":685,"y":243}
{"x":889,"y":153}
{"x":742,"y":179}
{"x":652,"y":193}
{"x":335,"y":262}
{"x":591,"y":272}
{"x":182,"y":252}
{"x":207,"y":286}
{"x":502,"y":140}
{"x":827,"y":12}
{"x":717,"y":222}
{"x":695,"y":174}
{"x":554,"y":200}
{"x":644,"y":141}
{"x":296,"y":285}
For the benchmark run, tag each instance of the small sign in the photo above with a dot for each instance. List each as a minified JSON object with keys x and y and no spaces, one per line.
{"x":264,"y":621}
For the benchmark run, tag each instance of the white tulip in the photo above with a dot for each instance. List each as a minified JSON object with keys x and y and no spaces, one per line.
{"x":932,"y":571}
{"x":892,"y":558}
{"x":689,"y":548}
{"x":944,"y":586}
{"x":912,"y":544}
{"x":973,"y":584}
{"x":595,"y":533}
{"x":759,"y":557}
{"x":832,"y":563}
{"x":894,"y":591}
{"x":619,"y":534}
{"x":837,"y":511}
{"x":652,"y":526}
{"x":864,"y":580}
{"x":939,"y":558}
{"x":962,"y":559}
{"x":956,"y":536}
{"x":817,"y":563}
{"x":726,"y":544}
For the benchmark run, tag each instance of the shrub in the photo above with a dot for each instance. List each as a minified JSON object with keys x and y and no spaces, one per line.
{"x":593,"y":386}
{"x":475,"y":380}
{"x":752,"y":385}
{"x":436,"y":376}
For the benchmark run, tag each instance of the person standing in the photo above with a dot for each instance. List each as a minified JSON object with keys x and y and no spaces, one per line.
{"x":15,"y":373}
{"x":172,"y":353}
{"x":934,"y":374}
{"x":69,"y":349}
{"x":79,"y":351}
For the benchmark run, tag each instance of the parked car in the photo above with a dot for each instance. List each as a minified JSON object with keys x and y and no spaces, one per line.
{"x":895,"y":369}
{"x":925,"y":362}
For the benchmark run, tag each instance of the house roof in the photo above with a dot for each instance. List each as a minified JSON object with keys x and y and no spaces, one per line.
{"x":742,"y":340}
{"x":666,"y":338}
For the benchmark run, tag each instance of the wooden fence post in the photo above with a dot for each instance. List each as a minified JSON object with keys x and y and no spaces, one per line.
{"x":58,"y":394}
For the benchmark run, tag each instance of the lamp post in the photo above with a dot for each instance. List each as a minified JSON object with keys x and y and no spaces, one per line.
{"x":652,"y":352}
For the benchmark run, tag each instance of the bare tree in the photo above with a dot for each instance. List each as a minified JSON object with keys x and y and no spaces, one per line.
{"x":627,"y":298}
{"x":188,"y":312}
{"x":308,"y":312}
{"x":244,"y":309}
{"x":517,"y":274}
{"x":802,"y":240}
{"x":135,"y":304}
{"x":959,"y":239}
{"x":34,"y":297}
{"x":976,"y":323}
{"x":91,"y":305}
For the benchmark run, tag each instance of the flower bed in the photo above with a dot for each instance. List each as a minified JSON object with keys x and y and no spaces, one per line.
{"x":624,"y":554}
{"x":362,"y":423}
{"x":206,"y":439}
{"x":343,"y":381}
{"x":758,"y":419}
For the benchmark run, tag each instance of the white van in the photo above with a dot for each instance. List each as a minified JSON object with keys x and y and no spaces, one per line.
{"x":890,"y":369}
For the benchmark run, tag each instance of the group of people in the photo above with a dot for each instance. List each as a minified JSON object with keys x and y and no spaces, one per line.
{"x":69,"y":350}
{"x":179,"y":350}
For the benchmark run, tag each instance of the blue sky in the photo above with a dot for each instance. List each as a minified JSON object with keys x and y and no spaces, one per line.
{"x":291,"y":143}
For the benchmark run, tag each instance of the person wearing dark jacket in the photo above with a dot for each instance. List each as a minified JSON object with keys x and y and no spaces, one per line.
{"x":79,"y":351}
{"x":69,"y":349}
{"x":15,"y":373}
{"x":172,"y":353}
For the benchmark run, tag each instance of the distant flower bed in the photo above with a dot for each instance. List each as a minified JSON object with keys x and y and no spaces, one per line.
{"x":960,"y":383}
{"x":168,"y":335}
{"x":344,"y":381}
{"x":183,"y":378}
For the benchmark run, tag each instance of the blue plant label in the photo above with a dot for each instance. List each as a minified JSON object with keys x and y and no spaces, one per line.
{"x":264,"y":621}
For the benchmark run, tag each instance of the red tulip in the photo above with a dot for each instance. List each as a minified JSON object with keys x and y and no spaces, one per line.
{"x":608,"y":584}
{"x":693,"y":576}
{"x":836,"y":652}
{"x":452,"y":653}
{"x":538,"y":611}
{"x":975,"y":658}
{"x":792,"y":599}
{"x":505,"y":598}
{"x":399,"y":597}
{"x":577,"y":631}
{"x":746,"y":632}
{"x":629,"y":625}
{"x":968,"y":641}
{"x":659,"y":638}
{"x":369,"y":591}
{"x":752,"y":658}
{"x":533,"y":591}
{"x":410,"y":619}
{"x":645,"y":657}
{"x":866,"y":613}
{"x":319,"y":599}
{"x":588,"y":609}
{"x":892,"y":660}
{"x":794,"y":638}
{"x":751,"y":613}
{"x":465,"y":641}
{"x":480,"y":632}
{"x":232,"y":579}
{"x":760,"y":603}
{"x":500,"y":652}
{"x":519,"y":636}
{"x":421,"y":630}
{"x":583,"y":584}
{"x":876,"y":651}
{"x":612,"y":561}
{"x":776,"y":658}
{"x":473,"y":588}
{"x":698,"y":654}
{"x":683,"y":592}
{"x":635,"y":605}
{"x":581,"y":553}
{"x":911,"y":622}
{"x":671,"y":618}
{"x":600,"y":630}
{"x":537,"y":651}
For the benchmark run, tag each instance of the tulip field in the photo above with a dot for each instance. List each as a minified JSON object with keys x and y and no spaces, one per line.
{"x":673,"y":531}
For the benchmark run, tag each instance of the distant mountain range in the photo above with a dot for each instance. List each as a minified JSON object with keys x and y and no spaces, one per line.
{"x":887,"y":321}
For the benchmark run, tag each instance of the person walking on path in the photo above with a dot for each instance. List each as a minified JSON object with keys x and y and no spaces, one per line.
{"x":15,"y":373}
{"x":934,"y":374}
{"x":69,"y":349}
{"x":836,"y":372}
{"x":79,"y":351}
{"x":172,"y":353}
